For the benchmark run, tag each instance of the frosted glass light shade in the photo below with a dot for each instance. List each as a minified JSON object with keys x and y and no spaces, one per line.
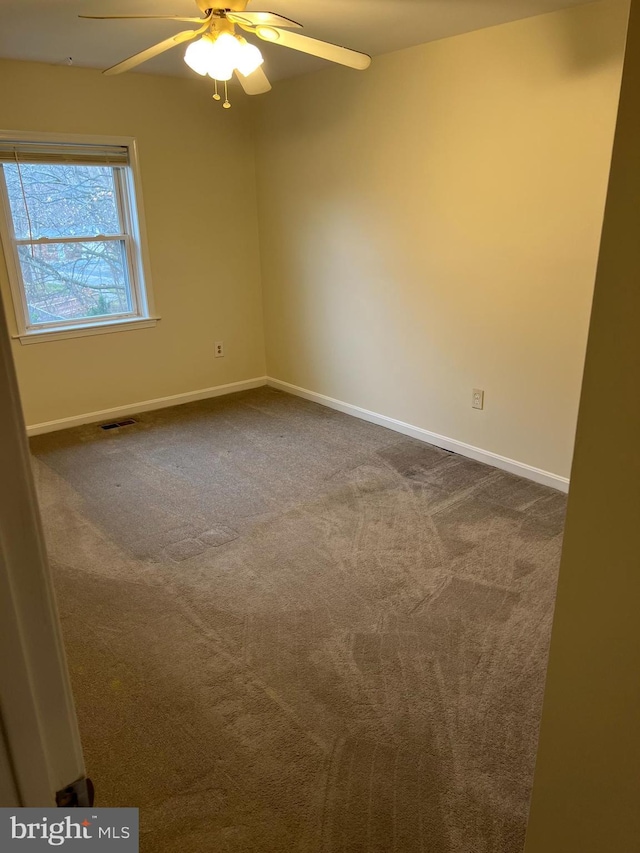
{"x":224,"y":57}
{"x":198,"y":55}
{"x":227,"y":49}
{"x":220,"y":70}
{"x":250,"y":59}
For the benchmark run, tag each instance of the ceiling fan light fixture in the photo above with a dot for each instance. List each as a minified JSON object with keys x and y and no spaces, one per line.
{"x":219,"y":56}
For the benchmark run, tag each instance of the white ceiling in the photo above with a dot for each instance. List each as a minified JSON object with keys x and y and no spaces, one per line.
{"x":50,"y":31}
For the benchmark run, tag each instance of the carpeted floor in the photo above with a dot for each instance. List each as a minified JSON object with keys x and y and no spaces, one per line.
{"x":290,"y":631}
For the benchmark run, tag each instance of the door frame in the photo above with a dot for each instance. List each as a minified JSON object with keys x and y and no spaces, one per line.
{"x":40,"y":748}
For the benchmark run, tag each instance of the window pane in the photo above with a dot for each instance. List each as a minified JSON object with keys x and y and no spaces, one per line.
{"x":74,"y":281}
{"x":62,"y":200}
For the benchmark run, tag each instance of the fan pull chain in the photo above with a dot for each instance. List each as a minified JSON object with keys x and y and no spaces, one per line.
{"x":216,"y":96}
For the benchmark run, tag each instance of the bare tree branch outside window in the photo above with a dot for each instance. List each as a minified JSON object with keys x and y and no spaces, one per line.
{"x":68,"y":278}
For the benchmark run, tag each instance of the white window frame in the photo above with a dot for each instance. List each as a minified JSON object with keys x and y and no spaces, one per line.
{"x":129,"y":199}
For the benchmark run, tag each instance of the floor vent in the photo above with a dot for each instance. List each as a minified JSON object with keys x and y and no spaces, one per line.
{"x":117,"y":424}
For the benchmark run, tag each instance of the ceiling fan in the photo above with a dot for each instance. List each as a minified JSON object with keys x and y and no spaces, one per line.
{"x":220,"y":52}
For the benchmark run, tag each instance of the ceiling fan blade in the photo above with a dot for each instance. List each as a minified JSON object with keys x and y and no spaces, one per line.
{"x":255,"y":83}
{"x":323,"y":49}
{"x":142,"y":18}
{"x":155,"y":50}
{"x":260,"y":19}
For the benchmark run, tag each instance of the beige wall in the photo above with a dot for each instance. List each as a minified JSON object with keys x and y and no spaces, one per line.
{"x":587,"y":783}
{"x":432,"y":226}
{"x":199,"y":198}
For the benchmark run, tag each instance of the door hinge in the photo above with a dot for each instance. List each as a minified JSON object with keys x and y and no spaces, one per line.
{"x":79,"y":794}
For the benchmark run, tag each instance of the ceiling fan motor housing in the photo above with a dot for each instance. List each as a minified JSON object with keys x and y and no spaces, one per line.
{"x":230,"y":6}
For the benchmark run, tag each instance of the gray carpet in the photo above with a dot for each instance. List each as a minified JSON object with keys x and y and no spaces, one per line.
{"x":290,"y":631}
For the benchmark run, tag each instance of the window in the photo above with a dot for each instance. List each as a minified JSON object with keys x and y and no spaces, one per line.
{"x":71,"y":230}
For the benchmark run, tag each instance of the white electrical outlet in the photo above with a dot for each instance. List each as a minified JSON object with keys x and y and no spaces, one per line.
{"x":218,"y":349}
{"x":477,"y":400}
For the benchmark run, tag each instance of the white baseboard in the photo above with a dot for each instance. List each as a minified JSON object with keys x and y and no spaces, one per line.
{"x":145,"y":406}
{"x":520,"y":468}
{"x":546,"y":478}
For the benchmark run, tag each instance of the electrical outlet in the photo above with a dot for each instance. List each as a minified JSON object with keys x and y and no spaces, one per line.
{"x":477,"y":400}
{"x":218,"y":349}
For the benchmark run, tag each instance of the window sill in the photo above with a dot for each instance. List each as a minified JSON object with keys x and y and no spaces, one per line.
{"x":86,"y":329}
